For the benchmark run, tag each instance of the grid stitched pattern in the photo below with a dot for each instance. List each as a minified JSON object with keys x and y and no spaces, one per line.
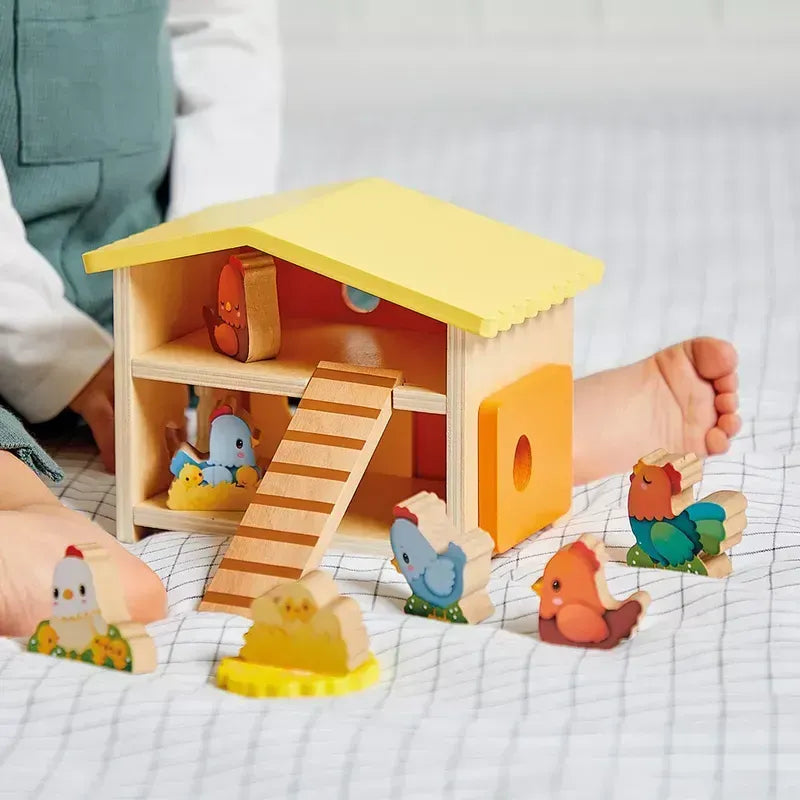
{"x":698,"y":226}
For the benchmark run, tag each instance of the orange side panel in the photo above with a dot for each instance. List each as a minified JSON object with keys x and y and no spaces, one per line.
{"x":525,"y":455}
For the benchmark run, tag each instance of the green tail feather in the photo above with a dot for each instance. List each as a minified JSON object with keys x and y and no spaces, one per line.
{"x":712,"y":534}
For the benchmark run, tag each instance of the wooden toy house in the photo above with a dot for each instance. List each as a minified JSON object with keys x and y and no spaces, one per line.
{"x":468,"y":322}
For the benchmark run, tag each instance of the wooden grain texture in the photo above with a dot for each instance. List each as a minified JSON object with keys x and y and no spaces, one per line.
{"x":244,"y":323}
{"x":144,"y":410}
{"x":430,"y":513}
{"x":690,"y":469}
{"x":307,"y":625}
{"x":111,"y":610}
{"x":300,"y":503}
{"x":576,"y":607}
{"x":111,"y":599}
{"x":363,"y":530}
{"x":419,"y":356}
{"x":476,"y":368}
{"x":263,"y":316}
{"x":153,"y":304}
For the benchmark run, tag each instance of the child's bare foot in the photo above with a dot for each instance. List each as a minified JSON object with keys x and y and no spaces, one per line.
{"x":682,"y":398}
{"x":33,"y":541}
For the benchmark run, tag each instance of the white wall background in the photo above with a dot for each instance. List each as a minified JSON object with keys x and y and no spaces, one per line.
{"x":661,"y":135}
{"x":426,"y":52}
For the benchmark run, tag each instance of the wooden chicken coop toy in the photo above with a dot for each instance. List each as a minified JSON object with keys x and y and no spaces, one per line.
{"x":430,"y":349}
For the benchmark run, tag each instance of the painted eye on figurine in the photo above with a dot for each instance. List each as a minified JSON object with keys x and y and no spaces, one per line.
{"x":406,"y":558}
{"x":82,"y":590}
{"x":239,"y":444}
{"x":556,"y":585}
{"x":55,"y":593}
{"x":646,"y":481}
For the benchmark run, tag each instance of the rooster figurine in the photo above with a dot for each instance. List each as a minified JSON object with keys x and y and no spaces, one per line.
{"x":674,"y":532}
{"x":576,"y":607}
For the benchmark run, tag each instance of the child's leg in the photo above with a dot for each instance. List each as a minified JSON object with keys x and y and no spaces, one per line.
{"x":682,"y":398}
{"x":35,"y":529}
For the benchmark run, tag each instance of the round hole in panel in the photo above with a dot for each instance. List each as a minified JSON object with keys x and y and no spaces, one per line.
{"x":358,"y":301}
{"x":523,"y":462}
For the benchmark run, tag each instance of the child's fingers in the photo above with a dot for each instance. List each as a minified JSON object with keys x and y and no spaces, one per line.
{"x":100,"y":417}
{"x":20,"y":486}
{"x":95,"y":403}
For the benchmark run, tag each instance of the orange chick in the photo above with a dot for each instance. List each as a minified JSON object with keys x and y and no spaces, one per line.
{"x":576,"y":607}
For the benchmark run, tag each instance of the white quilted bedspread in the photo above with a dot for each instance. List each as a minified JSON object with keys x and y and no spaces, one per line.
{"x":698,"y":225}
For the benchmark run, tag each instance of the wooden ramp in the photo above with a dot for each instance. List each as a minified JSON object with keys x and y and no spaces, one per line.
{"x":308,"y":486}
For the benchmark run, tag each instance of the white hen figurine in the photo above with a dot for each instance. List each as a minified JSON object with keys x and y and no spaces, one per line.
{"x":76,"y":616}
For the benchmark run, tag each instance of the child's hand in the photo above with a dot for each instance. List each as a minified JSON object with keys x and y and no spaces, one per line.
{"x":35,"y":530}
{"x":95,"y":403}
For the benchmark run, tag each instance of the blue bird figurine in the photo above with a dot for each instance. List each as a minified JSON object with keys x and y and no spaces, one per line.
{"x":436,"y":579}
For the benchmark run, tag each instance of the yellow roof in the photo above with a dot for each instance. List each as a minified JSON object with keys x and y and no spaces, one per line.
{"x":403,"y":246}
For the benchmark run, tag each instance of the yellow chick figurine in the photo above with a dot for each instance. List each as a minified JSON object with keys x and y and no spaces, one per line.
{"x":247,"y":476}
{"x":191,"y":475}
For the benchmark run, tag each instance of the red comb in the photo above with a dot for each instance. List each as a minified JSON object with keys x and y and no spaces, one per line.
{"x":72,"y":552}
{"x":582,"y":551}
{"x":674,"y":477}
{"x":236,"y":264}
{"x":219,"y":412}
{"x":401,"y":512}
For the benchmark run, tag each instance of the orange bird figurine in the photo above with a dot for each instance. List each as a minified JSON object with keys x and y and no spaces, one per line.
{"x":245,"y":324}
{"x":228,"y":327}
{"x":576,"y":607}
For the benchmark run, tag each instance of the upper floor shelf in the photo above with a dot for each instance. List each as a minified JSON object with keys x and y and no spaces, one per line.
{"x":420,"y":356}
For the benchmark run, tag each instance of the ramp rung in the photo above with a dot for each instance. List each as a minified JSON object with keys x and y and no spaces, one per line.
{"x":306,"y":490}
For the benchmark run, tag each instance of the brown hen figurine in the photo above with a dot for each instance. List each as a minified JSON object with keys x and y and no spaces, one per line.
{"x":576,"y":607}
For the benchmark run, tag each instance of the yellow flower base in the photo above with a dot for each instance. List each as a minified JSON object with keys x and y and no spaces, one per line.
{"x":263,"y":680}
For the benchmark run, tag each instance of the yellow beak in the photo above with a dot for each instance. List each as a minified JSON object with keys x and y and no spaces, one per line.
{"x":68,"y":594}
{"x":537,"y":586}
{"x":394,"y":564}
{"x":228,"y":306}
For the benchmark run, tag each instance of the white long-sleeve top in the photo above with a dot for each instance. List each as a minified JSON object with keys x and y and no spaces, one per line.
{"x":228,"y":82}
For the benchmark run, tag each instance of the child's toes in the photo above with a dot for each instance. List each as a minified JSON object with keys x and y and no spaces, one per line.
{"x":727,"y":403}
{"x":727,"y":383}
{"x":145,"y":594}
{"x":712,"y":358}
{"x":729,"y":424}
{"x":717,"y":442}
